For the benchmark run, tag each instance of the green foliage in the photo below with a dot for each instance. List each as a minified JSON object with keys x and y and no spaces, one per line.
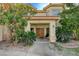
{"x":31,"y":37}
{"x":14,"y":19}
{"x":63,"y":35}
{"x":70,"y":5}
{"x":69,"y":23}
{"x":27,"y":38}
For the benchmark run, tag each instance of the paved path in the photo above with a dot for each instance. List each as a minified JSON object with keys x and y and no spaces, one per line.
{"x":44,"y":48}
{"x":40,"y":48}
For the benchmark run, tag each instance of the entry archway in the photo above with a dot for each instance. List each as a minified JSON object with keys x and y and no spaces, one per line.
{"x":51,"y":26}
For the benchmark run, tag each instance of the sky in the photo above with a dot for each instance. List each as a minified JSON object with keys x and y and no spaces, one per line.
{"x":39,"y":6}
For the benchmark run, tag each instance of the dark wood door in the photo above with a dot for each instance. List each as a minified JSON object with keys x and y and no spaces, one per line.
{"x":40,"y":32}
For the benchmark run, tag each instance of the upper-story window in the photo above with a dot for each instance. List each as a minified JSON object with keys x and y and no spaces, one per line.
{"x":53,"y":12}
{"x":56,"y":12}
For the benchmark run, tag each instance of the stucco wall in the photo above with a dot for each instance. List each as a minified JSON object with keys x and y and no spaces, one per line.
{"x":4,"y":33}
{"x":49,"y":11}
{"x":40,"y":14}
{"x":52,"y":25}
{"x":1,"y":32}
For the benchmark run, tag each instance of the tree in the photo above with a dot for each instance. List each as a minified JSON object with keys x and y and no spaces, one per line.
{"x":69,"y":20}
{"x":14,"y":19}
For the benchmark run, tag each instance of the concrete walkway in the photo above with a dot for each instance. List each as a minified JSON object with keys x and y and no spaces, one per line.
{"x":40,"y":48}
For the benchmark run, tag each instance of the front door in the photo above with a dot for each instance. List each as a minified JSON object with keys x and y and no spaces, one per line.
{"x":40,"y":32}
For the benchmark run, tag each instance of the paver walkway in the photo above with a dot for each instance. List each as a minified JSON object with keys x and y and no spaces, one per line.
{"x":40,"y":48}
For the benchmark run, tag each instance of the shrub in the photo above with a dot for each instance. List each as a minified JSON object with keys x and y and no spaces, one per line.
{"x":31,"y":37}
{"x":27,"y":38}
{"x":63,"y":35}
{"x":14,"y":18}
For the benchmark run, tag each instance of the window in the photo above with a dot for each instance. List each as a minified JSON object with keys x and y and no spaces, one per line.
{"x":55,"y":12}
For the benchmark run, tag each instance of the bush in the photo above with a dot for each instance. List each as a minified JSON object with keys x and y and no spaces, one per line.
{"x":31,"y":37}
{"x":63,"y":35}
{"x":27,"y":38}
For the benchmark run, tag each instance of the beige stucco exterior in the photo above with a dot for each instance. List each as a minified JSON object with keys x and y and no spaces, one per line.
{"x":1,"y":30}
{"x":50,"y":25}
{"x":45,"y":17}
{"x":4,"y":33}
{"x":40,"y":14}
{"x":42,"y":19}
{"x":48,"y":12}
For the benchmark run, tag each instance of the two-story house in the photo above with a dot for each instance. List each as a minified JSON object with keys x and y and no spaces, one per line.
{"x":43,"y":23}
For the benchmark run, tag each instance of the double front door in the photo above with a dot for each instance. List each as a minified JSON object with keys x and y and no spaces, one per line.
{"x":40,"y":32}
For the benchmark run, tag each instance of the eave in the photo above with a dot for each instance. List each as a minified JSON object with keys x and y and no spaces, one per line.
{"x":43,"y":18}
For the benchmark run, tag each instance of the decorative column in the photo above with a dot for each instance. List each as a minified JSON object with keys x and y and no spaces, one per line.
{"x":34,"y":29}
{"x":44,"y":32}
{"x":27,"y":28}
{"x":52,"y":35}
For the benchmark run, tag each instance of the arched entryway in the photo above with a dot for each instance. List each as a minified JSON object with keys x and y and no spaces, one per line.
{"x":41,"y":30}
{"x":40,"y":21}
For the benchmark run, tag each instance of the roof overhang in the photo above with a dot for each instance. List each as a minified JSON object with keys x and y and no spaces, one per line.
{"x":44,"y":18}
{"x":54,"y":5}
